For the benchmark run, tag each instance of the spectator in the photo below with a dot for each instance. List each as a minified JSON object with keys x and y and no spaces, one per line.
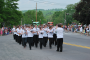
{"x":81,"y":30}
{"x":87,"y":29}
{"x":1,"y":32}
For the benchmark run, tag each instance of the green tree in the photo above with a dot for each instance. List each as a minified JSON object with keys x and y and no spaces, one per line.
{"x":40,"y":17}
{"x":82,"y":12}
{"x":1,"y":11}
{"x":31,"y":15}
{"x":11,"y":16}
{"x":58,"y":17}
{"x":69,"y":13}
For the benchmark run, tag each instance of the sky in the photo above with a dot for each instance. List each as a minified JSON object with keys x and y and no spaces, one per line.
{"x":44,"y":4}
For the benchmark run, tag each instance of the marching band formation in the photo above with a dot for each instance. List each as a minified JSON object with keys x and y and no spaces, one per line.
{"x":39,"y":35}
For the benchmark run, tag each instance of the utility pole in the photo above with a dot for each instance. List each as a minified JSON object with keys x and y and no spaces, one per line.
{"x":65,"y":15}
{"x":36,"y":12}
{"x":65,"y":18}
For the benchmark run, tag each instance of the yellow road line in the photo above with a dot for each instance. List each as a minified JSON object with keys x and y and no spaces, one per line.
{"x":76,"y":45}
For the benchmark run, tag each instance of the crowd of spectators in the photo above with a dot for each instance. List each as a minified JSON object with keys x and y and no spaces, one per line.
{"x":78,"y":28}
{"x":5,"y":31}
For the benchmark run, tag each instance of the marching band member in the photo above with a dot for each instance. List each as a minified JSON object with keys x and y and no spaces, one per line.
{"x":13,"y":30}
{"x":59,"y":31}
{"x":45,"y":36}
{"x":16,"y":34}
{"x":40,"y":33}
{"x":19,"y":35}
{"x":30,"y":36}
{"x":50,"y":36}
{"x":35,"y":37}
{"x":24,"y":36}
{"x":54,"y":35}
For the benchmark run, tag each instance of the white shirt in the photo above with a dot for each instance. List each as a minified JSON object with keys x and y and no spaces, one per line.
{"x":59,"y":31}
{"x":45,"y":32}
{"x":13,"y":30}
{"x":87,"y":29}
{"x":40,"y":33}
{"x":50,"y":33}
{"x":16,"y":32}
{"x":19,"y":31}
{"x":35,"y":30}
{"x":81,"y":29}
{"x":54,"y":30}
{"x":23,"y":34}
{"x":30,"y":34}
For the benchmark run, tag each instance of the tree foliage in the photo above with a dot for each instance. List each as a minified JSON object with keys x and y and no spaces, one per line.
{"x":82,"y":12}
{"x":31,"y":15}
{"x":10,"y":16}
{"x":59,"y":16}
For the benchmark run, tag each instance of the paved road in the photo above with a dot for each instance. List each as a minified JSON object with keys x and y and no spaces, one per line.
{"x":72,"y":49}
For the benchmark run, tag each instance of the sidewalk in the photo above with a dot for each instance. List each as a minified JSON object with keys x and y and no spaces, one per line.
{"x":78,"y":32}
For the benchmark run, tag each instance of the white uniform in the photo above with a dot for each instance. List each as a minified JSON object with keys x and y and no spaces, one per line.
{"x":40,"y":33}
{"x":45,"y":32}
{"x":30,"y":34}
{"x":59,"y":32}
{"x":16,"y":32}
{"x":19,"y":31}
{"x":13,"y":30}
{"x":23,"y":34}
{"x":50,"y":33}
{"x":35,"y":30}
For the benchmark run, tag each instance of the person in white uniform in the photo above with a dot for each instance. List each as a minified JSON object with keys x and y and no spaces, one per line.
{"x":59,"y":31}
{"x":24,"y":36}
{"x":40,"y":33}
{"x":50,"y":36}
{"x":19,"y":35}
{"x":13,"y":30}
{"x":45,"y":36}
{"x":35,"y":37}
{"x":30,"y":36}
{"x":16,"y":34}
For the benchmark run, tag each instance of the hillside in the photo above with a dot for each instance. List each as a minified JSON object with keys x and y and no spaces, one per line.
{"x":47,"y":13}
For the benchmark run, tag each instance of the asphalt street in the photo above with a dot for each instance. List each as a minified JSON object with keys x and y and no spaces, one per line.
{"x":75,"y":47}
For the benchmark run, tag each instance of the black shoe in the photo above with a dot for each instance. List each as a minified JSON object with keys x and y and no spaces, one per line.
{"x":44,"y":46}
{"x":40,"y":48}
{"x":60,"y":50}
{"x":19,"y":43}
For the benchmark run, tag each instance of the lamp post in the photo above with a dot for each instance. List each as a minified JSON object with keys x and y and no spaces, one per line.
{"x":32,"y":22}
{"x":65,"y":22}
{"x":65,"y":17}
